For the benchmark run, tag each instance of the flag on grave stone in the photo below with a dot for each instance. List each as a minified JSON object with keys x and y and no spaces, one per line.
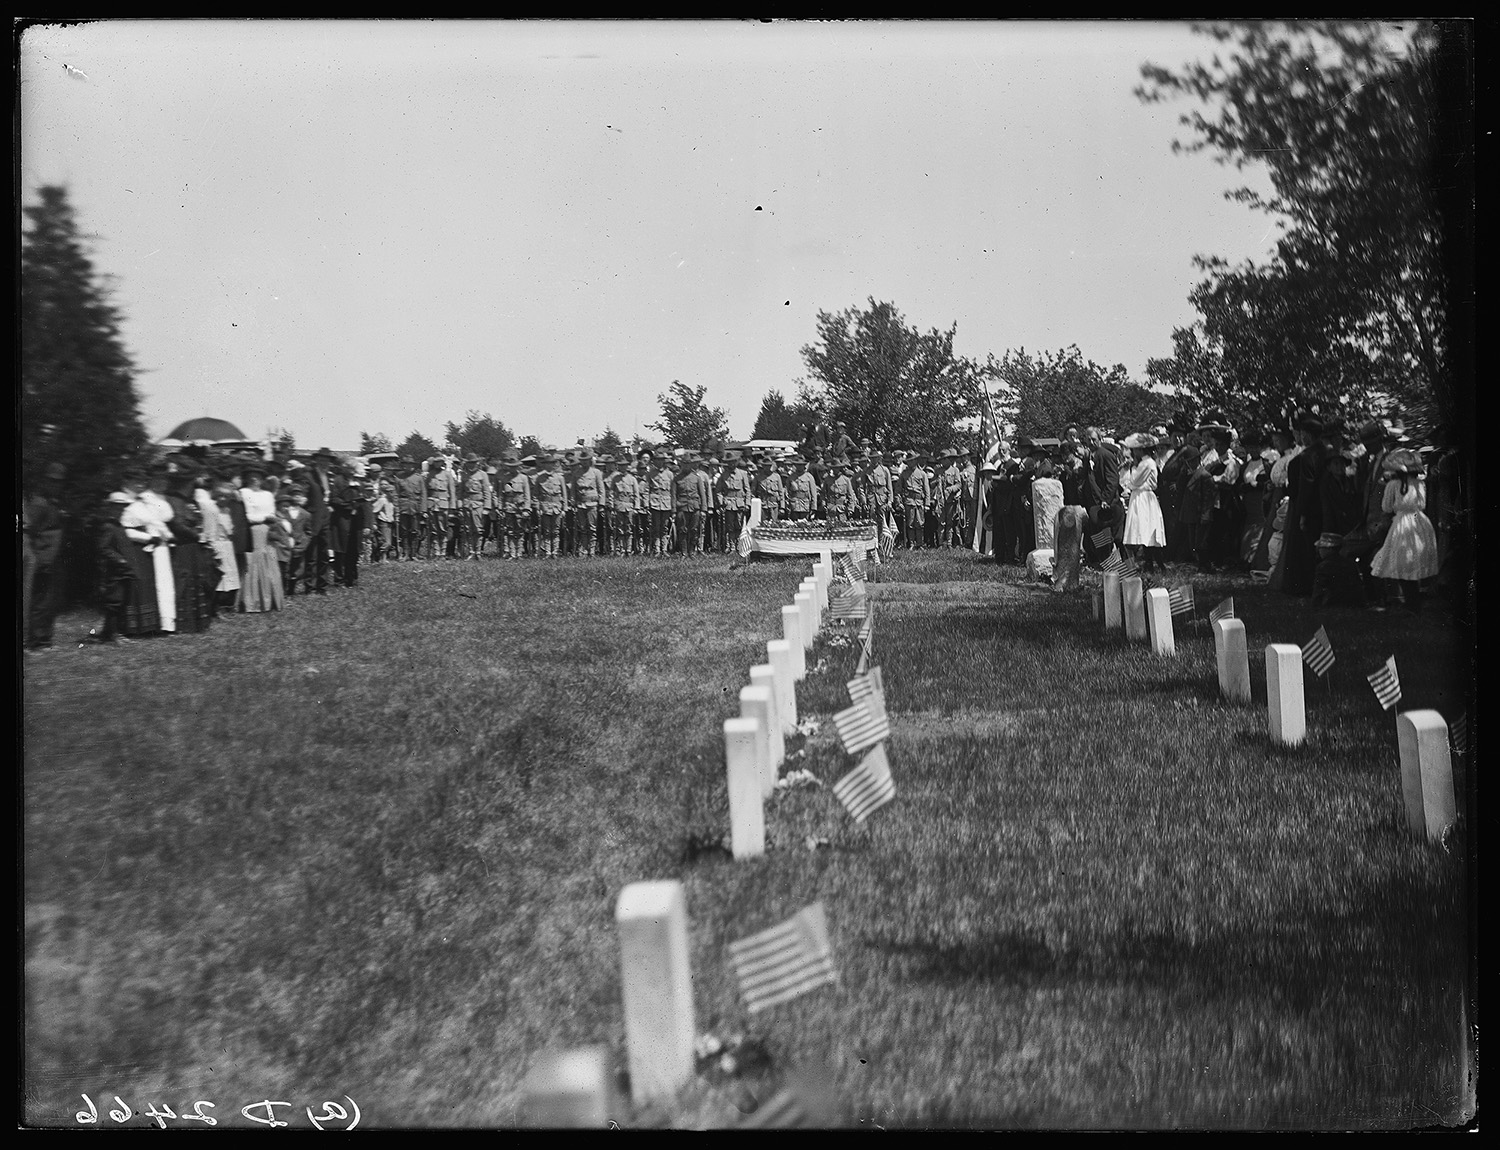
{"x":1180,"y":599}
{"x":1102,"y":538}
{"x":1318,"y":654}
{"x":1128,"y":569}
{"x":1224,"y":610}
{"x":1458,"y":735}
{"x":847,"y":603}
{"x":867,"y":685}
{"x":784,"y":962}
{"x":1385,"y":684}
{"x":862,"y":726}
{"x":868,"y":787}
{"x":846,"y":570}
{"x":1112,"y":562}
{"x":887,"y":547}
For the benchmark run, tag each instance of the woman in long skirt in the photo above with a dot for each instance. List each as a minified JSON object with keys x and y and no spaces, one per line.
{"x":1145,"y":530}
{"x":218,"y":529}
{"x":138,"y":614}
{"x":146,"y":522}
{"x":262,"y":590}
{"x":1410,"y":551}
{"x":191,"y":559}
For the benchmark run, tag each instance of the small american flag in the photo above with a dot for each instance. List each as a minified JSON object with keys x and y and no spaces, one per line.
{"x":862,"y":726}
{"x":868,"y":787}
{"x":887,"y":542}
{"x":1318,"y":654}
{"x":1128,"y":570}
{"x":864,"y":651}
{"x":848,"y":603}
{"x":867,"y":685}
{"x":1112,"y":562}
{"x":1224,"y":610}
{"x":1458,"y":735}
{"x":1385,"y":684}
{"x":785,"y":962}
{"x":1180,"y":599}
{"x":782,"y":1111}
{"x":1102,"y":538}
{"x":846,"y":570}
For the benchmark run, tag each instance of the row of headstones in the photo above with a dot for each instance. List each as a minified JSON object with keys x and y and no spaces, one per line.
{"x":1426,"y":763}
{"x":574,"y":1088}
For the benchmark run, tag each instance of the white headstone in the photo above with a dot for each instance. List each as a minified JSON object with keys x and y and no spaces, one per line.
{"x":822,"y":576}
{"x":1133,"y":600}
{"x":758,"y":702}
{"x":791,"y":632}
{"x":569,"y":1088}
{"x":779,"y":652}
{"x":1288,"y":718}
{"x":809,"y":608}
{"x":744,"y":755}
{"x":656,"y":987}
{"x":1426,"y":773}
{"x":756,"y":511}
{"x":1234,"y":660}
{"x":1114,"y":608}
{"x":1159,"y":621}
{"x":810,"y":587}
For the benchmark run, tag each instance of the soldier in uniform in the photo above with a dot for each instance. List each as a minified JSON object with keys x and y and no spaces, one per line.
{"x":551,"y":494}
{"x":587,"y":493}
{"x":474,"y":505}
{"x":661,"y":496}
{"x":881,"y":489}
{"x":411,"y":509}
{"x":734,"y":496}
{"x":693,"y":495}
{"x":623,"y":494}
{"x":442,"y":496}
{"x":950,"y":486}
{"x":642,"y":528}
{"x":840,"y":500}
{"x":513,"y":497}
{"x":968,"y":477}
{"x":915,"y":496}
{"x":802,"y":494}
{"x":769,"y":488}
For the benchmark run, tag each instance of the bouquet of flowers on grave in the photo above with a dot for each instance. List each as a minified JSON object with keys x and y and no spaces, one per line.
{"x":804,"y":530}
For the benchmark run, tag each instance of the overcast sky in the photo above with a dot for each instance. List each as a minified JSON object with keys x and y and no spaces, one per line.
{"x":339,"y":227}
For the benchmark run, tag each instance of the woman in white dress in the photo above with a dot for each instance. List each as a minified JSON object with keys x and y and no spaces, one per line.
{"x":1410,"y":553}
{"x":262,"y":590}
{"x":1145,"y":531}
{"x":1046,"y":502}
{"x":145,"y":522}
{"x":218,"y":531}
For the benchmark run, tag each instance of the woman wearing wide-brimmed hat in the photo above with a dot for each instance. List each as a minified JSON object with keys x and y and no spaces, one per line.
{"x":1410,"y":552}
{"x":1145,"y":531}
{"x":261,"y":589}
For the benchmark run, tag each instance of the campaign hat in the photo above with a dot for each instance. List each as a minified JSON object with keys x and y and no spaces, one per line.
{"x":525,"y":459}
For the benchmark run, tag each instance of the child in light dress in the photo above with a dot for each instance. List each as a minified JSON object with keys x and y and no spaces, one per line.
{"x":1409,"y":554}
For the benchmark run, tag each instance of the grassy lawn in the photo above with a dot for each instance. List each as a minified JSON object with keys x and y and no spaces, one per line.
{"x":371,"y":847}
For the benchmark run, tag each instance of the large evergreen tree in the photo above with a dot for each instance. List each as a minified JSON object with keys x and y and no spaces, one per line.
{"x":484,"y":435}
{"x":79,"y":404}
{"x":686,"y":421}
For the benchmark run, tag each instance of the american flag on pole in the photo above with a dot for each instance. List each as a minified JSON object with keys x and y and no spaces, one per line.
{"x":846,"y":570}
{"x":785,"y":962}
{"x":1224,"y":610}
{"x":867,"y":685}
{"x":848,"y":603}
{"x":1385,"y":684}
{"x":1102,"y":539}
{"x":1318,"y":653}
{"x":887,"y":547}
{"x":862,"y":726}
{"x":868,"y":787}
{"x":1128,"y":570}
{"x":1112,"y":562}
{"x":1458,"y":735}
{"x":1180,"y":600}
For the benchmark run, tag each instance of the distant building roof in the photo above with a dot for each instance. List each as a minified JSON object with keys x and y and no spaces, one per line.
{"x":205,"y":428}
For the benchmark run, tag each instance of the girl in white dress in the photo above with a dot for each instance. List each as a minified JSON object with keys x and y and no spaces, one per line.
{"x":1409,"y":553}
{"x":1145,"y":530}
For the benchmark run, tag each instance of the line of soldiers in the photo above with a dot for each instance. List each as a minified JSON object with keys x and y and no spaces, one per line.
{"x":660,"y":502}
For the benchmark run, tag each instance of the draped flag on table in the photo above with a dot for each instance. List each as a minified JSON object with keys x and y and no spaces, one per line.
{"x":848,"y":603}
{"x":1180,"y":599}
{"x":862,"y":726}
{"x":1458,"y":735}
{"x":989,"y":439}
{"x":868,"y":787}
{"x":1224,"y":610}
{"x":1385,"y":684}
{"x":1102,"y":539}
{"x":785,"y":962}
{"x":1318,"y":654}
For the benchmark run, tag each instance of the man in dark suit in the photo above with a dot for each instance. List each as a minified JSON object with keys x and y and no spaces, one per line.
{"x":1101,"y":485}
{"x":319,"y":486}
